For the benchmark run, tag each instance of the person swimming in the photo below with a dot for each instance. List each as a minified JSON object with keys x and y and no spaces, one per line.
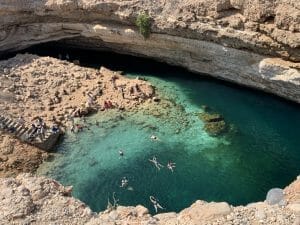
{"x":124,"y":182}
{"x":156,"y":163}
{"x":171,"y":166}
{"x":154,"y":138}
{"x":155,"y":203}
{"x":121,"y":153}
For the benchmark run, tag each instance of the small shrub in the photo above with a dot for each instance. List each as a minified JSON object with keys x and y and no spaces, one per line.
{"x":144,"y":25}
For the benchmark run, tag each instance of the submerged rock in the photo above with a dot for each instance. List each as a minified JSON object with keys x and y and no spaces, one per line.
{"x":207,"y":117}
{"x":214,"y":124}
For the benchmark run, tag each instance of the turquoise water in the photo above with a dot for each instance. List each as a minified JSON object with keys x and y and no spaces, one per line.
{"x":260,"y":152}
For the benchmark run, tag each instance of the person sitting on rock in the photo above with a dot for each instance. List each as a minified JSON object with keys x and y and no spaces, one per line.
{"x":131,"y":90}
{"x":105,"y":105}
{"x":55,"y":129}
{"x":110,"y":105}
{"x":113,"y":81}
{"x":41,"y":132}
{"x":121,"y":89}
{"x":11,"y":129}
{"x":90,"y":98}
{"x":34,"y":129}
{"x":137,"y":88}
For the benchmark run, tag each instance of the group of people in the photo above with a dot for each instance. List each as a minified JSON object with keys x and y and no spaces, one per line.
{"x":108,"y":105}
{"x":38,"y":128}
{"x":170,"y":165}
{"x":133,"y":90}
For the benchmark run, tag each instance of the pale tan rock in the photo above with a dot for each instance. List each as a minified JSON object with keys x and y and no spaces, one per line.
{"x":295,"y":207}
{"x":264,"y":27}
{"x":167,"y":218}
{"x":20,"y":204}
{"x":201,"y":211}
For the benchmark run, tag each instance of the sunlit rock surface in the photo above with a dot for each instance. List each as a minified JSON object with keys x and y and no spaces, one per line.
{"x":231,"y":40}
{"x":27,"y":199}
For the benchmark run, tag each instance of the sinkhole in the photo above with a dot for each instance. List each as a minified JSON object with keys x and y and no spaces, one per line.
{"x":259,"y":149}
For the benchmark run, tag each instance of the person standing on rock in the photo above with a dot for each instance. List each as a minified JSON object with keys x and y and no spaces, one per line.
{"x":113,"y":81}
{"x":122,"y":92}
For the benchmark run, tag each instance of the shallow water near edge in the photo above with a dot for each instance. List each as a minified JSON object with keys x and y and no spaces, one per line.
{"x":260,"y":152}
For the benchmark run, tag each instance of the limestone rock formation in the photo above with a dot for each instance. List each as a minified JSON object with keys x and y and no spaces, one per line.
{"x":28,"y":199}
{"x":235,"y":40}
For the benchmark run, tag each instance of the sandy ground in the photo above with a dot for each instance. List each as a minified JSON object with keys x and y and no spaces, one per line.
{"x":57,"y":91}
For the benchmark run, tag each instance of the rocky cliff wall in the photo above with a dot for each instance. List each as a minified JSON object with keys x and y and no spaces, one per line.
{"x":38,"y":200}
{"x":256,"y":44}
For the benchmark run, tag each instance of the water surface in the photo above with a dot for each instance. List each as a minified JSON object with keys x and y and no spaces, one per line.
{"x":260,"y":152}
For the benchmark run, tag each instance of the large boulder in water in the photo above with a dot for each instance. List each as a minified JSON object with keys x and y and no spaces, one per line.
{"x":275,"y":196}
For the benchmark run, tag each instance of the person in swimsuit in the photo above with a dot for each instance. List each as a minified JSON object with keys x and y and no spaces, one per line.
{"x":171,"y":166}
{"x":155,"y":203}
{"x":124,"y":182}
{"x":154,"y":138}
{"x":156,"y":163}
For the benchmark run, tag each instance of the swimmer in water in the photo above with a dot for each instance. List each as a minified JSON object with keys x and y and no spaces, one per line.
{"x":155,"y":203}
{"x":121,"y":153}
{"x":171,"y":166}
{"x":154,"y":138}
{"x":156,"y":163}
{"x":124,"y":182}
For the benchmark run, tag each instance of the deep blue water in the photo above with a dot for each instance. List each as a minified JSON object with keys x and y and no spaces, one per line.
{"x":238,"y":167}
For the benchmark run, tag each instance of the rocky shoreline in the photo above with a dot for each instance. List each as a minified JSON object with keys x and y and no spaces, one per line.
{"x":60,"y":93}
{"x":255,"y":44}
{"x":28,"y":199}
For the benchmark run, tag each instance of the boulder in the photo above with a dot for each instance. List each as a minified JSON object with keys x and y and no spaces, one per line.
{"x":275,"y":196}
{"x":202,"y":211}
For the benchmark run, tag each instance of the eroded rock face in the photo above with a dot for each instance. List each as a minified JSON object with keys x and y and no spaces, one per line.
{"x":28,"y":199}
{"x":216,"y":21}
{"x":32,"y":200}
{"x":229,"y":39}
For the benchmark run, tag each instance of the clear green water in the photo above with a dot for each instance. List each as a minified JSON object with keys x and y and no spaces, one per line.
{"x":239,"y":167}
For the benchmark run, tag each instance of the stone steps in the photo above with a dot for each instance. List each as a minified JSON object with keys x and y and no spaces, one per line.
{"x":28,"y":134}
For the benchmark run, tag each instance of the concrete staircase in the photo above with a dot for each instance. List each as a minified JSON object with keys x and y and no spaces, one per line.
{"x":25,"y":133}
